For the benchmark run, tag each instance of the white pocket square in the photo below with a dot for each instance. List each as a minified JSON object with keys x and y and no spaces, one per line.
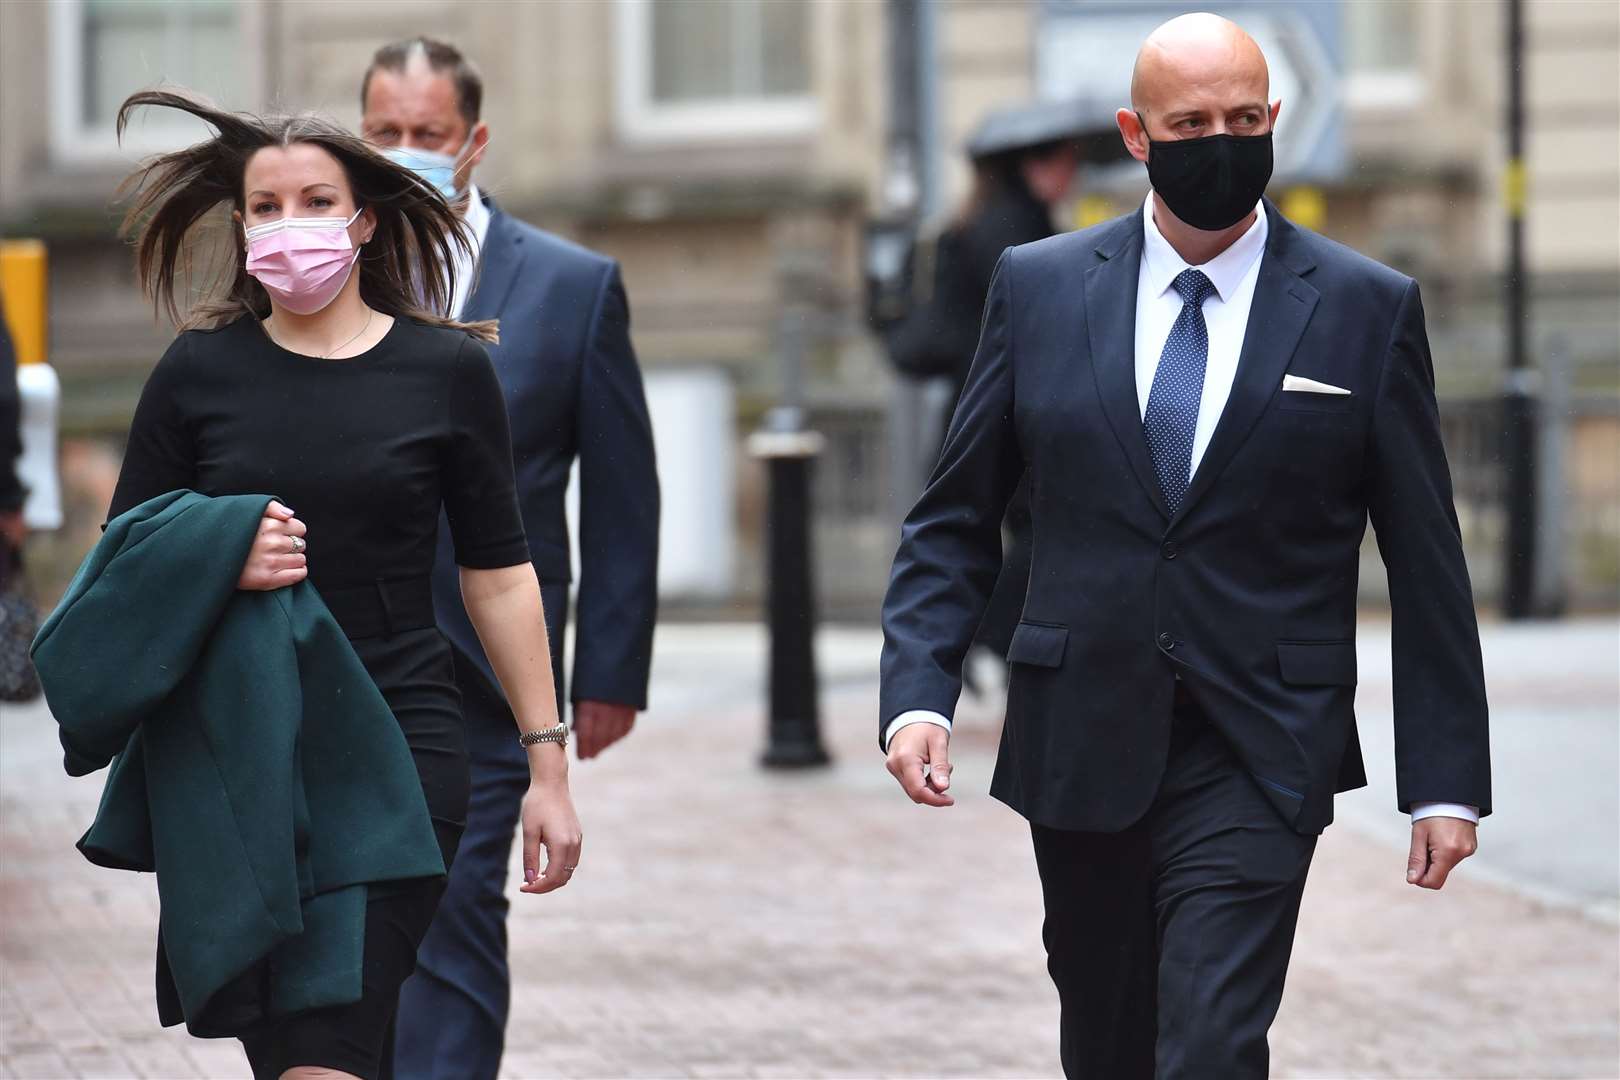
{"x":1311,"y":386}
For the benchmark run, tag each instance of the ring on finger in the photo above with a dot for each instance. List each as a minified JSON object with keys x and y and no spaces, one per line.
{"x":298,"y":545}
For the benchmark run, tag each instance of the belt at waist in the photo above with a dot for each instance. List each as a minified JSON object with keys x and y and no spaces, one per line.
{"x":382,"y":608}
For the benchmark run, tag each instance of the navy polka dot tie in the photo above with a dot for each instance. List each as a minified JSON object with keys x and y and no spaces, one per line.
{"x":1178,"y":387}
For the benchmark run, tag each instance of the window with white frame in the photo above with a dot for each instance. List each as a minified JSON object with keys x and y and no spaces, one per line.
{"x":104,"y":50}
{"x":1381,"y":46}
{"x":698,"y":69}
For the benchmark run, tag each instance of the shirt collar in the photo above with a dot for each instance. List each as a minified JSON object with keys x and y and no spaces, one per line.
{"x":477,"y":218}
{"x":1224,"y":271}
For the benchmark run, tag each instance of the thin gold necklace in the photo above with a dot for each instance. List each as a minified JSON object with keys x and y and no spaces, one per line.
{"x":369,"y":313}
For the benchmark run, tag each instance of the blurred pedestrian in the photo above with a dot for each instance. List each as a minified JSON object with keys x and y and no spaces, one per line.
{"x":319,"y":372}
{"x":18,"y":618}
{"x":573,"y":391}
{"x":1210,"y":402}
{"x":12,"y":492}
{"x":1024,"y":163}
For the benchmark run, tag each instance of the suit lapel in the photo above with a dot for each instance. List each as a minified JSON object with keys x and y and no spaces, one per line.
{"x":1110,"y":290}
{"x":498,"y":265}
{"x":1282,"y":307}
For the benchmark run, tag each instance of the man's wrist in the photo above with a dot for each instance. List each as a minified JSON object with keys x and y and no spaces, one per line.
{"x":914,"y":716}
{"x":605,"y":703}
{"x":1460,"y":811}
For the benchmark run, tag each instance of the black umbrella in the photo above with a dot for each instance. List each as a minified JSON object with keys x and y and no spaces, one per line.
{"x":1023,"y":127}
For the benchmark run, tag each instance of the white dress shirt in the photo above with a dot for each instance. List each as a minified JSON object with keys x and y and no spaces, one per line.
{"x":1226,"y":315}
{"x":466,"y":262}
{"x":1233,"y":273}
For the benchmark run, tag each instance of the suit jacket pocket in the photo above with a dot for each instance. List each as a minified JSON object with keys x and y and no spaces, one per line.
{"x":1038,"y":644}
{"x":1317,"y":663}
{"x":1309,"y":401}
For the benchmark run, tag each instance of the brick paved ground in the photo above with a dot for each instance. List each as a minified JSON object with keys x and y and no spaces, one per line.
{"x":728,"y":922}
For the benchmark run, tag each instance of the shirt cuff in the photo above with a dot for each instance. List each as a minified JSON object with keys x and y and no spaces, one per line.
{"x":1421,"y":810}
{"x":914,"y":716}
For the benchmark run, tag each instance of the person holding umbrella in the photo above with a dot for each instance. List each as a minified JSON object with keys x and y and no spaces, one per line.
{"x":1025,"y":158}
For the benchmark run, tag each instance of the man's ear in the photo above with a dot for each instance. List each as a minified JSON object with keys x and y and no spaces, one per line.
{"x":1276,"y":107}
{"x":480,"y":139}
{"x":1130,"y":129}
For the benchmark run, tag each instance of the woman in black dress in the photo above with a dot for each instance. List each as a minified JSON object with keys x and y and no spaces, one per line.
{"x":315,"y":371}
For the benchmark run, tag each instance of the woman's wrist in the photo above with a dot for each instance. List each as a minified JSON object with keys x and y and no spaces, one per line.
{"x":548,"y":763}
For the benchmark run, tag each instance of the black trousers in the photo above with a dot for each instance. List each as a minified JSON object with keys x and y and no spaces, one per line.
{"x":1169,"y":941}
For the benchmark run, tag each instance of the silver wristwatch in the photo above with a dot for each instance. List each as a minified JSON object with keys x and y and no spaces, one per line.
{"x":558,"y":734}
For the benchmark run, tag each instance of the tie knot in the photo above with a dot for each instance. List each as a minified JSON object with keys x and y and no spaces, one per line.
{"x":1193,"y":286}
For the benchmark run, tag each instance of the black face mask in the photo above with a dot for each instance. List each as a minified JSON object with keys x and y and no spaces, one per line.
{"x":1213,"y":182}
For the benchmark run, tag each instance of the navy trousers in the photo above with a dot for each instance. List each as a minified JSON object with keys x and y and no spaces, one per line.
{"x":452,"y":1012}
{"x":1169,"y":941}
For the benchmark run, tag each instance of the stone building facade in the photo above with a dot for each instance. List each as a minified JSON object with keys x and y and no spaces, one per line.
{"x":728,"y":152}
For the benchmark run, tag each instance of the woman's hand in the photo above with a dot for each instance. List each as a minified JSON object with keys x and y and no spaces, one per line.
{"x":549,"y":821}
{"x":277,"y":558}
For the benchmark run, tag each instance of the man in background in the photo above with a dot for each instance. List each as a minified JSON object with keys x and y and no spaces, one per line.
{"x":573,"y":390}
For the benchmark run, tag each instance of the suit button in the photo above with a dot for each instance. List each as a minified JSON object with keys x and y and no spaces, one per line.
{"x":1169,"y":550}
{"x":1166,"y":642}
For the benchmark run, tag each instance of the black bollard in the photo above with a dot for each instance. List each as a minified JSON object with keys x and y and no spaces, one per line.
{"x":789,"y":453}
{"x":1520,"y":558}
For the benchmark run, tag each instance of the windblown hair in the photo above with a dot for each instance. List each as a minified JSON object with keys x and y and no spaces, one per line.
{"x":407,"y":268}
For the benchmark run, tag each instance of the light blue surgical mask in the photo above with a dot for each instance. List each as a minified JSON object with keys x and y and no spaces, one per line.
{"x":435,"y":167}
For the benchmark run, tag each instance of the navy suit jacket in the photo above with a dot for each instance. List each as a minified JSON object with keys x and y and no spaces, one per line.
{"x":1248,"y":593}
{"x":573,"y":388}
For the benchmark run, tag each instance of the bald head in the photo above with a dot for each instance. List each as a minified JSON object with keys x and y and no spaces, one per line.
{"x":1198,"y":62}
{"x":1197,"y":75}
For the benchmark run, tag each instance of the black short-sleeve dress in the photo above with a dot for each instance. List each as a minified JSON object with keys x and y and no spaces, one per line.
{"x":366,"y":450}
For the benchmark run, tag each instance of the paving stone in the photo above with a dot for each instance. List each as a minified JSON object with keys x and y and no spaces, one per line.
{"x":732,"y":922}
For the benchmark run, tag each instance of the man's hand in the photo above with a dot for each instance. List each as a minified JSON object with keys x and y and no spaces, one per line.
{"x":600,"y":724}
{"x":13,"y":530}
{"x":1438,"y":845}
{"x":919,"y":757}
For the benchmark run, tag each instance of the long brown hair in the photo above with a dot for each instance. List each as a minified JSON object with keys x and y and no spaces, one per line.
{"x":407,"y":269}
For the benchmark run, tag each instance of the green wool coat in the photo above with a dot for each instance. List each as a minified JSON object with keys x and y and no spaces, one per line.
{"x":256,"y":768}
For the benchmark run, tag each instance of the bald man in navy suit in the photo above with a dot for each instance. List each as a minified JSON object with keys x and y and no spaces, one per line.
{"x":1211,"y":403}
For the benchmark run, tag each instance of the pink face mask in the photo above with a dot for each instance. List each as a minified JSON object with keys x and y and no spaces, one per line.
{"x":302,"y":262}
